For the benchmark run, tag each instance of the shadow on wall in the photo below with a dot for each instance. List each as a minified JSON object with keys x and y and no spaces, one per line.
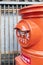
{"x":6,"y":58}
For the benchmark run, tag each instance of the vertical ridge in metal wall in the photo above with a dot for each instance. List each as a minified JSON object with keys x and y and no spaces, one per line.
{"x":16,"y":22}
{"x":0,"y":34}
{"x":4,"y":36}
{"x":13,"y":32}
{"x":8,"y":35}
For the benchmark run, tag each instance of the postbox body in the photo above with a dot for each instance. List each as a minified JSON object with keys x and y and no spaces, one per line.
{"x":29,"y":33}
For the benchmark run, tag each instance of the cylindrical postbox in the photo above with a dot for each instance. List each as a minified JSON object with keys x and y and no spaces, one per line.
{"x":29,"y":33}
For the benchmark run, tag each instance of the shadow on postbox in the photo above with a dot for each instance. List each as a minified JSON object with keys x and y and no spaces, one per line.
{"x":28,"y":33}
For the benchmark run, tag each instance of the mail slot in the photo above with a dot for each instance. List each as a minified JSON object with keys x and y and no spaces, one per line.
{"x":29,"y":32}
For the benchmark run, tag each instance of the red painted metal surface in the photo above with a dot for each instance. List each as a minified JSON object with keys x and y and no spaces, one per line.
{"x":30,"y":34}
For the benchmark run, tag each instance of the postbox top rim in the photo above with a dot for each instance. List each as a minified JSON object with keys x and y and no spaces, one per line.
{"x":31,"y":6}
{"x":32,"y":10}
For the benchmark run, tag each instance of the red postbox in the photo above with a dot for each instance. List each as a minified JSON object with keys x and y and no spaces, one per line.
{"x":29,"y":33}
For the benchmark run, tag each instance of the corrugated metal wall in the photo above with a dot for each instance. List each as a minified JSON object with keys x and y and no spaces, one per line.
{"x":8,"y":42}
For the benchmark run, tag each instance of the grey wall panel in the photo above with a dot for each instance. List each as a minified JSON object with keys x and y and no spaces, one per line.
{"x":11,"y":33}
